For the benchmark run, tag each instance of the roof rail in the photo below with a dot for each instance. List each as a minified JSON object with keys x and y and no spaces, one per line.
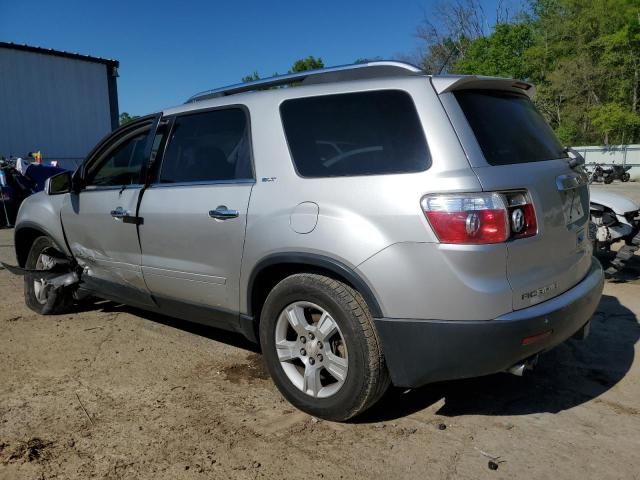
{"x":323,"y":75}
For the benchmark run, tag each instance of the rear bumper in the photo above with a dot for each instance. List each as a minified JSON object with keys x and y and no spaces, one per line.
{"x":424,"y":351}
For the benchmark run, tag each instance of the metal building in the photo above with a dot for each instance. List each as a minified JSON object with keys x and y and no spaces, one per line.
{"x":628,"y":155}
{"x":59,"y":103}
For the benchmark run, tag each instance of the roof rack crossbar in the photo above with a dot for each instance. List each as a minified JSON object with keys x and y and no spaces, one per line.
{"x":344,"y":71}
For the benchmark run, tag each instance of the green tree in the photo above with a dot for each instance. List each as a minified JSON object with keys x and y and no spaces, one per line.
{"x":304,"y":64}
{"x":582,"y":55}
{"x":125,"y":118}
{"x":301,"y":65}
{"x":452,"y":28}
{"x":367,"y":60}
{"x":588,"y":60}
{"x":615,"y":122}
{"x":501,"y":54}
{"x":252,"y":77}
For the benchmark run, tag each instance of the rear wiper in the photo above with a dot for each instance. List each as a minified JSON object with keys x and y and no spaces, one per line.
{"x":575,"y":158}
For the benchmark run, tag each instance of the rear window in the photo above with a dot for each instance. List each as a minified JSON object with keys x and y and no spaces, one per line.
{"x":508,"y":127}
{"x":367,"y":133}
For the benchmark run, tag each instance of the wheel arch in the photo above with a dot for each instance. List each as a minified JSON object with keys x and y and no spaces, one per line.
{"x":269,"y":271}
{"x":25,"y":235}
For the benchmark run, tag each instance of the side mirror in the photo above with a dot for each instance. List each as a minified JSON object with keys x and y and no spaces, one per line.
{"x":58,"y":184}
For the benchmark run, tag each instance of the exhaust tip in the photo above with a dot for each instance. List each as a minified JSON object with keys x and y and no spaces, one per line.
{"x":519,"y":368}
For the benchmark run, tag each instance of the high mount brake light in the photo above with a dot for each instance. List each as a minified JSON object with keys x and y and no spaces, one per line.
{"x":480,"y":218}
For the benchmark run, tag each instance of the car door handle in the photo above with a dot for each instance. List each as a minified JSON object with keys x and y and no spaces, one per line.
{"x":223,"y":213}
{"x":119,"y":212}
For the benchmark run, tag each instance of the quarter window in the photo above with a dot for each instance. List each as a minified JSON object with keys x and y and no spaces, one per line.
{"x":208,"y":147}
{"x":366,"y":133}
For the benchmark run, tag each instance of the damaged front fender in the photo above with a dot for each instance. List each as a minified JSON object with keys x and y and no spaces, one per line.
{"x":61,"y":272}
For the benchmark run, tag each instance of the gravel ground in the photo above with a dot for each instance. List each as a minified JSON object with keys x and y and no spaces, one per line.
{"x":114,"y":392}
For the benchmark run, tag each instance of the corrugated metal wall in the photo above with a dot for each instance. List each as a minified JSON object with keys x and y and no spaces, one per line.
{"x":57,"y":105}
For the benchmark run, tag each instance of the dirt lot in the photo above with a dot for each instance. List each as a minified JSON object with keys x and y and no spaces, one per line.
{"x":113,"y":392}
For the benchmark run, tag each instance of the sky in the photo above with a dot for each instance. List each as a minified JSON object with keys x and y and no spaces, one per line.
{"x":169,"y":50}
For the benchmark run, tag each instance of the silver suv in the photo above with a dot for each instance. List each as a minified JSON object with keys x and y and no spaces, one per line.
{"x":369,"y":225}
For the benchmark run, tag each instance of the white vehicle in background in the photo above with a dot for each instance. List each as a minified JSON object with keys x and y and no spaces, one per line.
{"x":615,"y":218}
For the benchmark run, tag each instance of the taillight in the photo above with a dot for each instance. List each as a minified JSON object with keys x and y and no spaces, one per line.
{"x":467,"y":218}
{"x":480,"y":218}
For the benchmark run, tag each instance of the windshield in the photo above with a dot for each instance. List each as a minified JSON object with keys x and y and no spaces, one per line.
{"x":508,"y":127}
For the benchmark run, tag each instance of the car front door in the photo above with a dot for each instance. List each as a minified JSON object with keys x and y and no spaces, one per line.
{"x":195,"y":213}
{"x":100,"y":220}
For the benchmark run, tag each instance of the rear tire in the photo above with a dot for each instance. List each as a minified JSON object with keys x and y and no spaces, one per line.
{"x":303,"y":301}
{"x":45,"y":301}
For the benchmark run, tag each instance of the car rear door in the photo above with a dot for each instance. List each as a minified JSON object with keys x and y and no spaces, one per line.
{"x":100,"y":221}
{"x":195,"y":211}
{"x":510,"y":148}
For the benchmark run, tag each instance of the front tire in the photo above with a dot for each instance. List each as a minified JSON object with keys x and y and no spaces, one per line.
{"x":321,"y":347}
{"x":39,"y":298}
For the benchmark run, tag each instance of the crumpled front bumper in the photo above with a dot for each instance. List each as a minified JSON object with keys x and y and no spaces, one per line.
{"x":418,"y":352}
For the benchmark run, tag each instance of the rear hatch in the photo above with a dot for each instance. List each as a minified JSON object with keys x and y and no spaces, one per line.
{"x":521,"y":152}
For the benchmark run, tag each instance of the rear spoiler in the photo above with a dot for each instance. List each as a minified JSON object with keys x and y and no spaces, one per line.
{"x":449,"y":83}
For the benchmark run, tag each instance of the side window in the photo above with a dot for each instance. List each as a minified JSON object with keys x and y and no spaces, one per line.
{"x":351,"y":134}
{"x":208,"y":147}
{"x":122,"y":165}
